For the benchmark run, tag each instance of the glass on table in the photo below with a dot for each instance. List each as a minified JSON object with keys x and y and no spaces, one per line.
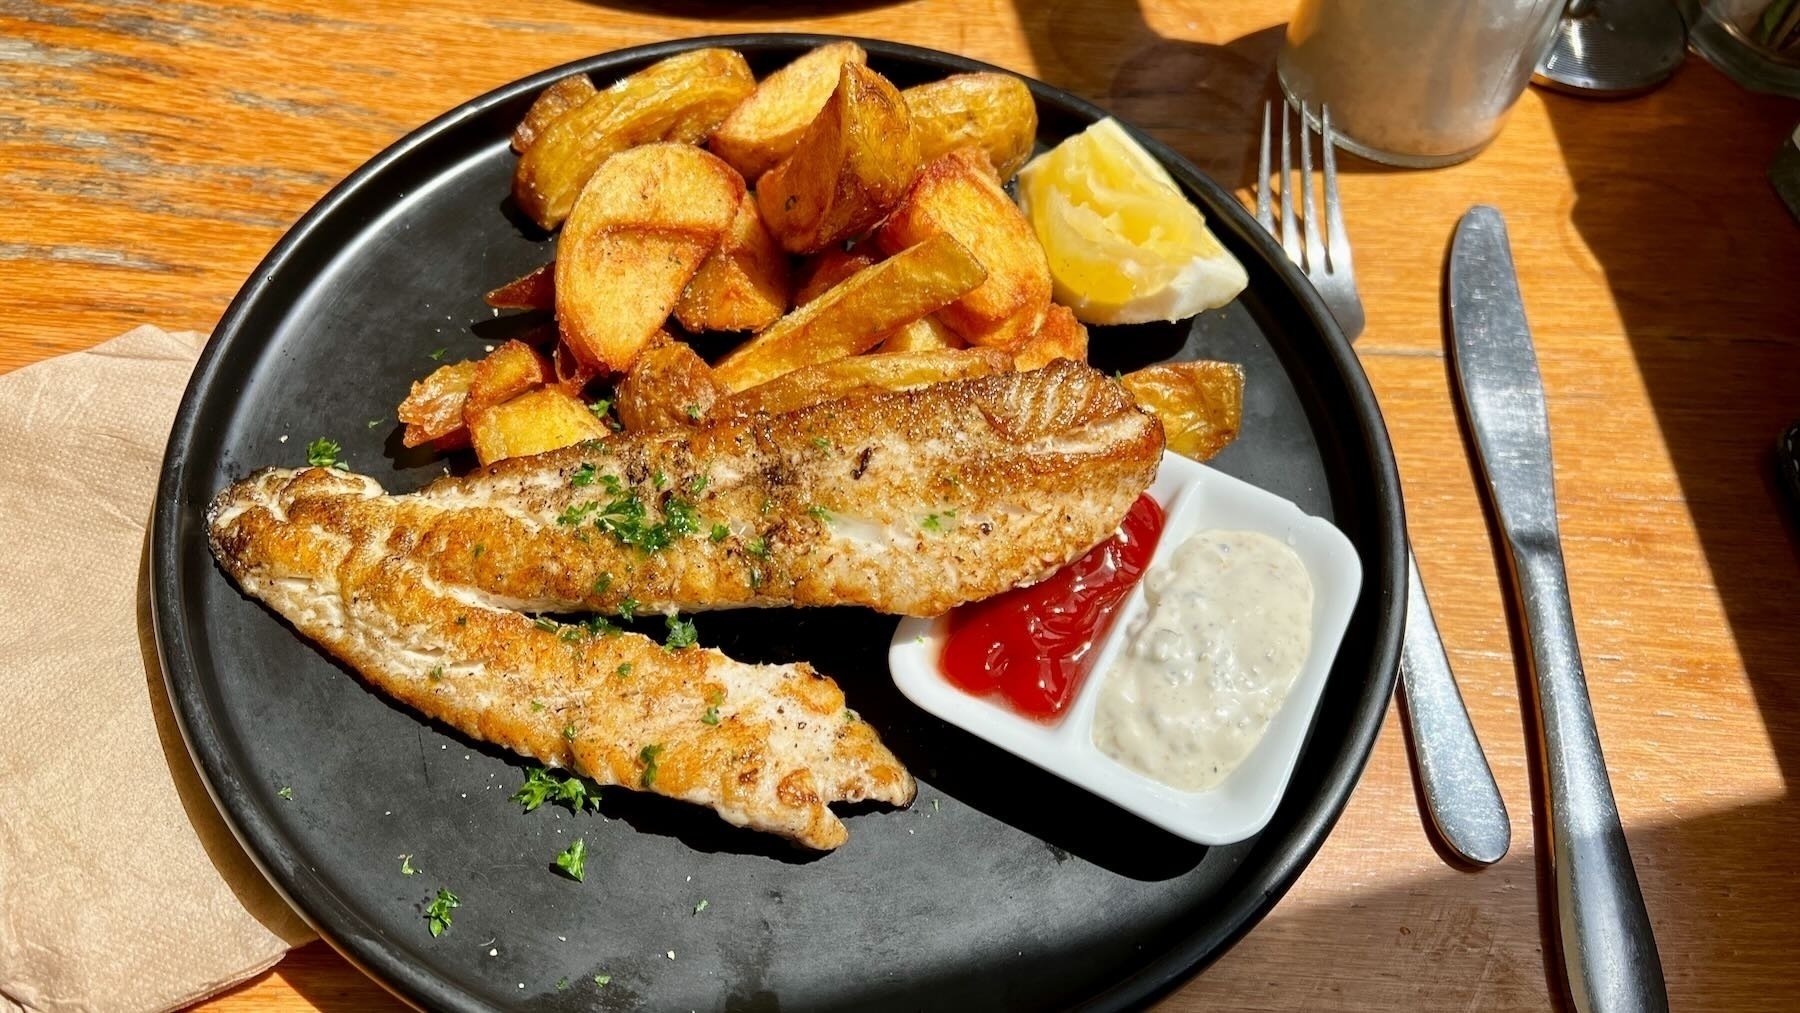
{"x":1415,"y":83}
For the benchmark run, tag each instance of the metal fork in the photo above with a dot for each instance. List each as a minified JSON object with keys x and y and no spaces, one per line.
{"x":1460,"y":793}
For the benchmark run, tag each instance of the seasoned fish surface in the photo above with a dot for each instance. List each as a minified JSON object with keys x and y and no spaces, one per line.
{"x":766,"y":746}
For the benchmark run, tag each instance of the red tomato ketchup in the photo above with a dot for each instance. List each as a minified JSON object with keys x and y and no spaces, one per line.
{"x":1033,"y":646}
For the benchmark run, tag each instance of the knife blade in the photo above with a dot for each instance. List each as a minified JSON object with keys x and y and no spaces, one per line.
{"x":1608,"y":951}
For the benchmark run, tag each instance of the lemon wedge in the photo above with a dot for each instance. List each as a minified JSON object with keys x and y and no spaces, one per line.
{"x":1125,"y":247}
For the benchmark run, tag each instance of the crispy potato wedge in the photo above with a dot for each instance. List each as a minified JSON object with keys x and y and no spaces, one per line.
{"x":993,"y":112}
{"x":644,"y":225}
{"x":433,"y":410}
{"x":850,"y":168}
{"x":532,"y":423}
{"x":669,"y":385}
{"x":744,"y":285}
{"x":571,"y":374}
{"x":506,"y":372}
{"x":551,"y":103}
{"x":858,"y":374}
{"x":680,"y":99}
{"x":925,"y":334}
{"x":958,"y":195}
{"x":1201,"y":404}
{"x":827,"y":269}
{"x":1060,"y":336}
{"x":854,"y":315}
{"x":534,"y":291}
{"x":766,"y":127}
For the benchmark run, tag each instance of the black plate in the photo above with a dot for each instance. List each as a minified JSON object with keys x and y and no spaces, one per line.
{"x":1002,"y":886}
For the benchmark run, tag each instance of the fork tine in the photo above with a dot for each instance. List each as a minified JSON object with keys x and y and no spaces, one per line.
{"x":1290,"y":237}
{"x":1338,"y":241}
{"x":1263,"y":217}
{"x":1315,"y":248}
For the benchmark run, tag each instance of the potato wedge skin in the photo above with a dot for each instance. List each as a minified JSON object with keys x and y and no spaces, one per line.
{"x":551,"y":103}
{"x":766,"y":127}
{"x":668,"y":386}
{"x":505,"y":373}
{"x":745,"y":285}
{"x":1201,"y":404}
{"x":854,"y":315}
{"x":855,"y":374}
{"x":645,"y":223}
{"x":958,"y":195}
{"x":533,"y":291}
{"x":850,"y":168}
{"x":680,"y":99}
{"x":994,"y":112}
{"x":433,"y":410}
{"x":532,"y":423}
{"x":827,"y":269}
{"x":1060,"y":336}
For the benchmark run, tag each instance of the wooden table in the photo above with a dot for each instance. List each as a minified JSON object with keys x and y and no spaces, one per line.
{"x":152,"y":152}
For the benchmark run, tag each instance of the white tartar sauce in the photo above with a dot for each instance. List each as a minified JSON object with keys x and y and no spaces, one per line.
{"x":1208,"y":663}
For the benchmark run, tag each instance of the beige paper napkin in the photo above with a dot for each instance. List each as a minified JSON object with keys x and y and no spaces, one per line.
{"x":120,"y":886}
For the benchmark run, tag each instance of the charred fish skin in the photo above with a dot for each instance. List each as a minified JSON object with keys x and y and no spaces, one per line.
{"x":766,"y":746}
{"x":909,"y":503}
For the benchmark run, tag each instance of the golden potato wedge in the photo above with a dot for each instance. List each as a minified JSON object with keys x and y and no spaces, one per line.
{"x":853,"y":316}
{"x":433,"y":409}
{"x":827,"y":269}
{"x":925,"y":334}
{"x":644,"y":225}
{"x":1060,"y":336}
{"x":551,"y":103}
{"x":744,"y":285}
{"x":993,"y":112}
{"x":856,"y":374}
{"x":1201,"y":404}
{"x":850,"y":168}
{"x":679,"y":99}
{"x":958,"y":195}
{"x":669,"y":385}
{"x":506,"y":372}
{"x":532,"y":423}
{"x":571,"y":374}
{"x":766,"y":127}
{"x":534,"y":291}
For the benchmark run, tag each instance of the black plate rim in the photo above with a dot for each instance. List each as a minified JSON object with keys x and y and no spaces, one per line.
{"x":337,"y":921}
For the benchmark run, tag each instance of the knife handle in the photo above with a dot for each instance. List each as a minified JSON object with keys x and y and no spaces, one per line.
{"x":1460,"y":793}
{"x":1608,"y":950}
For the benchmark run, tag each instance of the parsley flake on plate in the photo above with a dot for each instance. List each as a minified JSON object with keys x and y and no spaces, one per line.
{"x":324,"y":453}
{"x":681,"y":633}
{"x":437,"y":913}
{"x":702,"y":906}
{"x":602,"y":979}
{"x":543,"y":786}
{"x":648,"y":757}
{"x":572,"y":860}
{"x":286,"y":793}
{"x":406,"y":866}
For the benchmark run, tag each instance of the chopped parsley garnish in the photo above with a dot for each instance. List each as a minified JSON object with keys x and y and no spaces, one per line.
{"x":601,"y":583}
{"x":693,"y":412}
{"x":602,"y":979}
{"x":537,"y":705}
{"x":702,"y":906}
{"x":758,"y":546}
{"x":648,"y":757}
{"x":623,"y":671}
{"x":572,"y":858}
{"x":406,"y":866}
{"x":437,"y":914}
{"x":697,"y":484}
{"x":562,"y":984}
{"x":720,"y":532}
{"x":681,"y":633}
{"x":819,"y":513}
{"x":324,"y":453}
{"x":932,"y":524}
{"x":600,"y":408}
{"x":478,"y":550}
{"x":660,"y":479}
{"x":821,"y":442}
{"x":756,"y":578}
{"x":711,"y":717}
{"x":569,"y":732}
{"x":547,"y":624}
{"x":576,"y":513}
{"x":850,"y":715}
{"x":573,"y":634}
{"x":583,"y":476}
{"x":767,"y":505}
{"x":599,"y":626}
{"x":543,"y":786}
{"x":436,"y":673}
{"x":374,"y":422}
{"x":438,"y":354}
{"x":628,"y":609}
{"x":286,"y":793}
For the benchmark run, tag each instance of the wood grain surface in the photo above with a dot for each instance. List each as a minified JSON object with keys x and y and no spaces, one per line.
{"x":151,"y":152}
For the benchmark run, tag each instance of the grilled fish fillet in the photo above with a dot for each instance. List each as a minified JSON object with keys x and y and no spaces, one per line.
{"x":908,"y":502}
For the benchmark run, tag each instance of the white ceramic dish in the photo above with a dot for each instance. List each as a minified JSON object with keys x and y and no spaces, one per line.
{"x":1194,"y":498}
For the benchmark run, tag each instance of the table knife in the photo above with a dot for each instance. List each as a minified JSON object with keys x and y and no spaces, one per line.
{"x":1608,"y":951}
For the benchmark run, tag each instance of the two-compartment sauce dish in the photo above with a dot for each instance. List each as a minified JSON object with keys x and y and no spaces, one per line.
{"x":1174,"y":670}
